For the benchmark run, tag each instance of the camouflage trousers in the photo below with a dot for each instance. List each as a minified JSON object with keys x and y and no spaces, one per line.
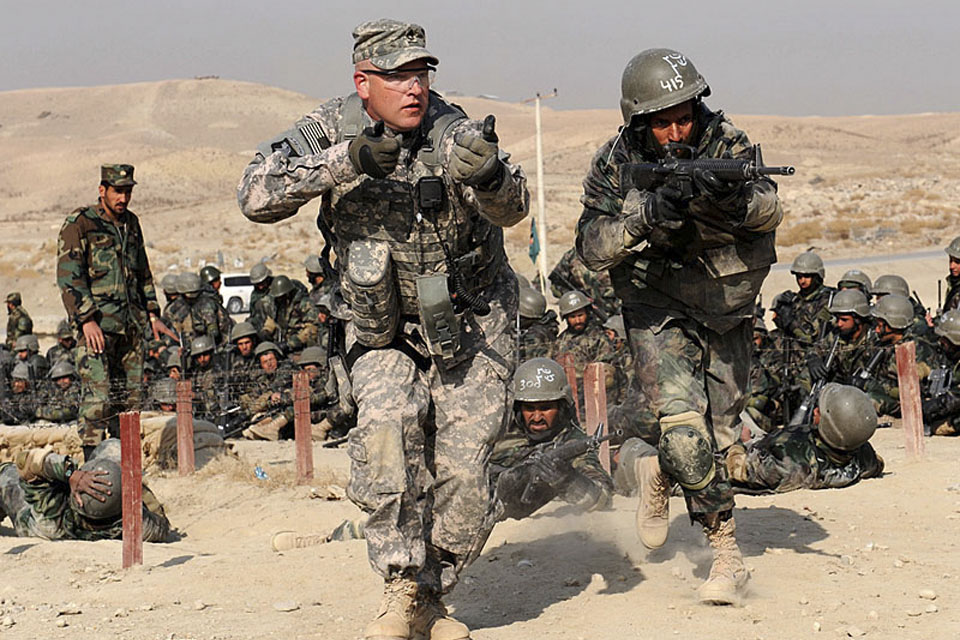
{"x":682,"y":366}
{"x":110,"y":382}
{"x":419,"y":458}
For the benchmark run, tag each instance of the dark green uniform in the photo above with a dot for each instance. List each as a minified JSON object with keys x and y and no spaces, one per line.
{"x":59,"y":405}
{"x":883,"y":387}
{"x":538,"y":336}
{"x":571,"y":274}
{"x":19,"y":324}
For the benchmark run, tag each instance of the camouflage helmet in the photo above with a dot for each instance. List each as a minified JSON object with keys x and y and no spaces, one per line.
{"x":312,"y":355}
{"x":953,"y":249}
{"x":22,"y":343}
{"x":169,"y":284}
{"x":615,"y":323}
{"x":165,"y":391}
{"x":312,"y":264}
{"x":573,"y":301}
{"x":949,"y":327}
{"x":847,"y":416}
{"x":266,"y":347}
{"x":850,"y":301}
{"x":532,"y":303}
{"x":64,"y":330}
{"x":895,"y":310}
{"x":21,"y":371}
{"x":657,"y":79}
{"x":209,"y":274}
{"x":242,"y":330}
{"x":14,"y":298}
{"x":90,"y":507}
{"x":541,"y":380}
{"x":62,"y":369}
{"x":201,"y":345}
{"x":281,"y":286}
{"x":259,"y":273}
{"x":189,"y":283}
{"x":807,"y":264}
{"x":855,"y":279}
{"x":891,"y":283}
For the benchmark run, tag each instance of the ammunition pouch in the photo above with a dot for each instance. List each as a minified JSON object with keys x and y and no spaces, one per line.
{"x":370,"y":288}
{"x":440,"y":323}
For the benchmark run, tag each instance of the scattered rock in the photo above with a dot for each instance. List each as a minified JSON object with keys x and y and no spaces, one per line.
{"x":898,"y":563}
{"x":804,"y":600}
{"x":847,"y":560}
{"x":873,"y":615}
{"x":199,"y":605}
{"x":817,"y":626}
{"x":7,"y":621}
{"x":286,"y":606}
{"x":855,"y":632}
{"x":69,"y":609}
{"x":913,"y":613}
{"x":525,"y":564}
{"x":928,"y":594}
{"x":145,"y":607}
{"x":61,"y":622}
{"x":120,"y":613}
{"x":932,"y":608}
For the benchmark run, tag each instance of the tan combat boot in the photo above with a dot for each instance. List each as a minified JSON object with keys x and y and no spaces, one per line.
{"x":728,"y":575}
{"x":287,"y":540}
{"x":266,"y":429}
{"x":653,"y":512}
{"x":434,"y":623}
{"x":396,"y":611}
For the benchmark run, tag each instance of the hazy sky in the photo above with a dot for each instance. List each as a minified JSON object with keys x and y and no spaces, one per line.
{"x":792,"y":58}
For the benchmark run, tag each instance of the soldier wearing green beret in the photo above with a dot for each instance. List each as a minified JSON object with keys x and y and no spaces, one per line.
{"x":107,"y":290}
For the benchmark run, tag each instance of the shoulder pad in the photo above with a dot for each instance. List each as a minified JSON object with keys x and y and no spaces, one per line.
{"x":441,"y":117}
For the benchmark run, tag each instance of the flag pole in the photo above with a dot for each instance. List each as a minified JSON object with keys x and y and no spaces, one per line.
{"x":541,"y":211}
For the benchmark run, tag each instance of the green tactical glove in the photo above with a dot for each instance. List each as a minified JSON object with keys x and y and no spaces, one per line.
{"x":374,"y":153}
{"x":475,"y":158}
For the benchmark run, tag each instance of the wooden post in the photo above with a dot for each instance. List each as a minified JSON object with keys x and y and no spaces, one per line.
{"x":131,"y":488}
{"x":595,"y":404}
{"x":185,"y":460}
{"x":302,"y":431}
{"x":910,"y":408}
{"x":566,"y":361}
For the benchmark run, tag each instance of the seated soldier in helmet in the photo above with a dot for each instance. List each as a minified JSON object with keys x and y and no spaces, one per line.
{"x":27,"y":349}
{"x":198,"y":312}
{"x":571,"y":274}
{"x":47,"y":496}
{"x":317,"y":279}
{"x":20,"y":406}
{"x":584,"y":339}
{"x":856,"y":279}
{"x":212,"y":282}
{"x":856,"y":342}
{"x":173,"y":364}
{"x":941,"y":394}
{"x":261,"y":278}
{"x":892,"y":283}
{"x":803,"y":315}
{"x":286,"y":316}
{"x":66,"y":342}
{"x":205,"y":378}
{"x":952,"y":299}
{"x":270,"y":400}
{"x":524,"y":474}
{"x":538,"y":325}
{"x":327,"y":417}
{"x":59,"y":398}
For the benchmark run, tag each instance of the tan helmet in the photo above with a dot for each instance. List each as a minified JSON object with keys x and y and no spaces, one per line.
{"x":657,"y":79}
{"x":949,"y":327}
{"x":953,"y":249}
{"x":62,"y":369}
{"x":169,"y":284}
{"x":854,"y":278}
{"x":201,"y":345}
{"x":573,"y":301}
{"x":850,"y":301}
{"x":895,"y":310}
{"x":312,"y":264}
{"x":891,"y":283}
{"x":847,"y":416}
{"x":808,"y":264}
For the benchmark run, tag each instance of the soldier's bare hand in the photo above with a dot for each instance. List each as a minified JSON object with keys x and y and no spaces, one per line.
{"x":159,"y":328}
{"x":94,"y":336}
{"x":89,"y":482}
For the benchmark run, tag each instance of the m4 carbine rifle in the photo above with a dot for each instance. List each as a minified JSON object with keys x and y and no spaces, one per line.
{"x":567,"y":451}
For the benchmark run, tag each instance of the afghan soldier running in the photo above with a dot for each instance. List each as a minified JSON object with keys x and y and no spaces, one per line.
{"x":687,"y":272}
{"x":414,"y":196}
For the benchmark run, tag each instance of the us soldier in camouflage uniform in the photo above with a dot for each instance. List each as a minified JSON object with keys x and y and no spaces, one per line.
{"x":538,"y":326}
{"x":59,"y":398}
{"x":205,"y":378}
{"x":107,"y":290}
{"x":687,"y":274}
{"x":18,"y":320}
{"x":570,"y":274}
{"x":47,"y":496}
{"x":831,"y":453}
{"x":524,"y":474}
{"x":28,"y":351}
{"x":893,"y":315}
{"x":399,"y":168}
{"x":293,"y":324}
{"x":20,"y":406}
{"x":270,"y":399}
{"x":941,"y":407}
{"x":66,"y":342}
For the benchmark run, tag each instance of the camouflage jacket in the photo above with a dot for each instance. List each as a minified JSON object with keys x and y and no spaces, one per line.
{"x":58,"y":352}
{"x":465,"y":228}
{"x":259,"y":398}
{"x":570,"y":273}
{"x":850,"y":359}
{"x":293,"y":322}
{"x":103,"y":272}
{"x":243,"y":374}
{"x":48,"y":513}
{"x":951,"y":301}
{"x":795,"y":458}
{"x":206,"y":389}
{"x":537,"y":339}
{"x":884,"y":386}
{"x":811,"y":315}
{"x":19,"y":408}
{"x":590,"y":345}
{"x":18,"y":324}
{"x":711,"y":269}
{"x":39,"y":368}
{"x":512,"y":472}
{"x":58,"y":405}
{"x":200,"y":316}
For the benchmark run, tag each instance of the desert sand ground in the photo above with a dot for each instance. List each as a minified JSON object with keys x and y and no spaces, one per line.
{"x":836,"y":563}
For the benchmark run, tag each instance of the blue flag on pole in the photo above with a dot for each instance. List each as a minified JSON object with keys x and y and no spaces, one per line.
{"x":534,"y":250}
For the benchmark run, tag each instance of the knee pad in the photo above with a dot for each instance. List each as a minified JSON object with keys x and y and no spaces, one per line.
{"x":686,"y":454}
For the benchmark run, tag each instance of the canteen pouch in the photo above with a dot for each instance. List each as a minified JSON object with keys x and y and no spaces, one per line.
{"x":439,"y":322}
{"x":369,"y":287}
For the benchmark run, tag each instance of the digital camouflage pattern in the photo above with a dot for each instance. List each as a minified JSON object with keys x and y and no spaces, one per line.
{"x":41,"y":508}
{"x":19,"y":324}
{"x":571,"y":274}
{"x":795,"y":458}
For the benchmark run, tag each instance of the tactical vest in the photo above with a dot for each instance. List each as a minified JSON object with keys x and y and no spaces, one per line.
{"x":389,"y":210}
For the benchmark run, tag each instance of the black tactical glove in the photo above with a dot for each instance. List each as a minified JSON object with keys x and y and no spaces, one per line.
{"x":374,"y":153}
{"x":726,"y":197}
{"x":551,"y":472}
{"x":817,"y":367}
{"x":932,"y":409}
{"x":475,"y":159}
{"x":785,"y":317}
{"x":644,"y":212}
